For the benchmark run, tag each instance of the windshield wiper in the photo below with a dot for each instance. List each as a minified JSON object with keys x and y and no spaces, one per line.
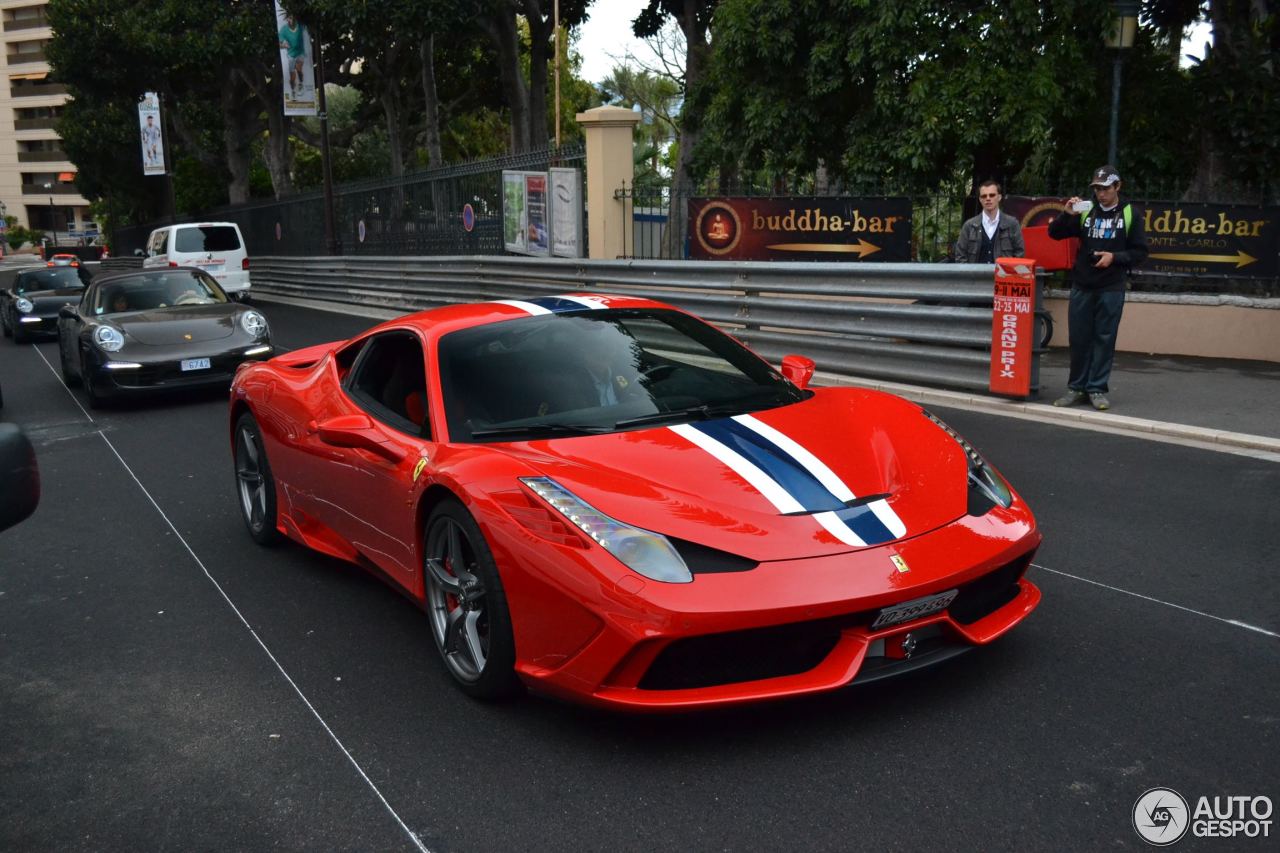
{"x":704,"y":412}
{"x":540,"y":430}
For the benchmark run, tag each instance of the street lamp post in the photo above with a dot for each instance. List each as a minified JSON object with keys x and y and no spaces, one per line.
{"x":1124,"y":26}
{"x":53,"y":215}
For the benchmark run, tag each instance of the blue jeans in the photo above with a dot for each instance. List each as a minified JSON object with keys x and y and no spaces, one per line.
{"x":1093,"y":319}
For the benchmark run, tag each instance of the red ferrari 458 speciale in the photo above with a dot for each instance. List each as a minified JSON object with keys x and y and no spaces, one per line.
{"x":606,"y":499}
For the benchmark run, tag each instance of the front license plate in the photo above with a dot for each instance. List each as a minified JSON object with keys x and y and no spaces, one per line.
{"x":908,"y":610}
{"x":195,"y":364}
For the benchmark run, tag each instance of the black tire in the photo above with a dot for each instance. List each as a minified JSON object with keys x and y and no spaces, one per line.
{"x":466,"y":605}
{"x":4,"y":321}
{"x":255,"y":487}
{"x":69,"y":376}
{"x":96,"y":400}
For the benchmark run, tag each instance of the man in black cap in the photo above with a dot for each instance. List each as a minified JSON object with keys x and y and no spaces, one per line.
{"x":1111,"y":243}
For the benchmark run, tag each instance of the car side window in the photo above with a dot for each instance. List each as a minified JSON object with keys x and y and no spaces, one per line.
{"x":389,"y":382}
{"x":156,"y":245}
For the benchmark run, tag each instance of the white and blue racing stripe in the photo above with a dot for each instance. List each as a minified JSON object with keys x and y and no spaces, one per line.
{"x":554,"y":304}
{"x":793,"y":479}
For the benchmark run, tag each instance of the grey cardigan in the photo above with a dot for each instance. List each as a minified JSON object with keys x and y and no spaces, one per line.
{"x":1008,"y":242}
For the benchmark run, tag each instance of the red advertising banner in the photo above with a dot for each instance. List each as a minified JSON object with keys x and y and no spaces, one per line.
{"x":800,"y":228}
{"x":1012,"y":327}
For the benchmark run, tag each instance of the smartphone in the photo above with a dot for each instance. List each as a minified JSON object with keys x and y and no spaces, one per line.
{"x":1082,"y":206}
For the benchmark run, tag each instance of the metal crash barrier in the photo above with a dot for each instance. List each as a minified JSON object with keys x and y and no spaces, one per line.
{"x":917,"y":323}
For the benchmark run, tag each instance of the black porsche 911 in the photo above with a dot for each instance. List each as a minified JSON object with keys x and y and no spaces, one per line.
{"x":154,"y":330}
{"x":30,"y":306}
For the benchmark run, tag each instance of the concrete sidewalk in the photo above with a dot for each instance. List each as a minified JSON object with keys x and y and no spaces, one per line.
{"x":1214,"y":403}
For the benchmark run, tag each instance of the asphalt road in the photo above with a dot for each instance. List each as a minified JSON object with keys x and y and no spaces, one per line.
{"x":165,"y":684}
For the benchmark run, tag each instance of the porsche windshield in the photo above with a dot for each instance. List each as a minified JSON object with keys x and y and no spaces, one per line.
{"x":598,"y":371}
{"x":148,"y":291}
{"x":49,"y":278}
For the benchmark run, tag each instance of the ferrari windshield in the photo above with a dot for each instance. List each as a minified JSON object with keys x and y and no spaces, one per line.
{"x":598,"y":371}
{"x":147,"y":291}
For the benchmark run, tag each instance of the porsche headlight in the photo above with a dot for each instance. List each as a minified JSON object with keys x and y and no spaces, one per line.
{"x":108,"y":339}
{"x":24,"y":305}
{"x":982,"y":476}
{"x":254,"y":323}
{"x":644,"y":552}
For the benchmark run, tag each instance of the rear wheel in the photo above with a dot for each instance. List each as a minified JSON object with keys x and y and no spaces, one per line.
{"x":255,"y":486}
{"x":467,"y":605}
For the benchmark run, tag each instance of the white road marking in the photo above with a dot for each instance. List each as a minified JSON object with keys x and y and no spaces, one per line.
{"x":1235,"y":622}
{"x":236,"y":610}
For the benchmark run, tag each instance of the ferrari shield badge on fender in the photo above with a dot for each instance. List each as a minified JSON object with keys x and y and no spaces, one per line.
{"x":417,"y":469}
{"x":899,"y":564}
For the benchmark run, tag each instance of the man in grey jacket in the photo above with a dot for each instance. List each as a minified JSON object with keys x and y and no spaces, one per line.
{"x":991,"y":234}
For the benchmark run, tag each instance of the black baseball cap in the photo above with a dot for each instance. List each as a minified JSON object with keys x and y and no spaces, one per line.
{"x":1105,"y":176}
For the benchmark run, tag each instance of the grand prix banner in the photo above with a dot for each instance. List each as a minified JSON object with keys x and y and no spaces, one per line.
{"x":152,"y":136}
{"x":295,"y":61}
{"x":801,"y":228}
{"x":1188,"y":238}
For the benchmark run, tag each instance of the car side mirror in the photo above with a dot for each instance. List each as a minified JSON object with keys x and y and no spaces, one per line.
{"x":356,"y":431}
{"x":67,"y":312}
{"x":20,"y":475}
{"x":799,"y":369}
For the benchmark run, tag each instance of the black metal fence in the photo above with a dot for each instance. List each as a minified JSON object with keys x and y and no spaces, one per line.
{"x":421,"y":213}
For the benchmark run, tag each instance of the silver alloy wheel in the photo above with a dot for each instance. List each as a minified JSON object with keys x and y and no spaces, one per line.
{"x":456,"y":600}
{"x":252,"y":485}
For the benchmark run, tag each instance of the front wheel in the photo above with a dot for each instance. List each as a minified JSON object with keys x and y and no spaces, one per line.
{"x":255,"y":486}
{"x":90,"y":386}
{"x":467,"y":606}
{"x":68,"y":375}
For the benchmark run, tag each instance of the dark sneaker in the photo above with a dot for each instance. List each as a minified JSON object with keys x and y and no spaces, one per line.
{"x":1099,"y":401}
{"x":1071,"y":398}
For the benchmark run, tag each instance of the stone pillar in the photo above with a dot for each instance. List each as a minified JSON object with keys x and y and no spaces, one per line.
{"x":610,"y":163}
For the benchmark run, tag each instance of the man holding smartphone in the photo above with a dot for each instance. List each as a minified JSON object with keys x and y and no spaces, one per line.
{"x":1112,"y":242}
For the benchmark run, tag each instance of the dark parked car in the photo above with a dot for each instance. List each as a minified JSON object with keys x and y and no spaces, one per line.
{"x":151,"y":330}
{"x":31,"y":305}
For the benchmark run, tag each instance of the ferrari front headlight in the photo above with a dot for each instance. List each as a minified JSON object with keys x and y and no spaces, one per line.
{"x":254,"y":323}
{"x":108,"y":339}
{"x":982,"y":476}
{"x":24,"y":305}
{"x":643,"y":551}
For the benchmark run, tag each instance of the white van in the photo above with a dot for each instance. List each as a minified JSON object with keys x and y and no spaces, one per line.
{"x":215,"y":247}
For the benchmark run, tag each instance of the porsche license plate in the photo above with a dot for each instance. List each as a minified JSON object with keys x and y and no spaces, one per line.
{"x":195,"y":364}
{"x":908,"y":610}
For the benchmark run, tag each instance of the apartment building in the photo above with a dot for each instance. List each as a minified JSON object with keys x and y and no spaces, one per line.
{"x":36,"y":178}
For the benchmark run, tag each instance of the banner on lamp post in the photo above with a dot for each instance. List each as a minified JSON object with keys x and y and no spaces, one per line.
{"x":298,"y":77}
{"x":152,"y":136}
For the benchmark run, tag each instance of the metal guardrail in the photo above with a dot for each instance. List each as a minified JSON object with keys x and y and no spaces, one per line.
{"x":920,"y":323}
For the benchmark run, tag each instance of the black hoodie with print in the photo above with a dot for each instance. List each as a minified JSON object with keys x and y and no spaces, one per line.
{"x":1103,"y":231}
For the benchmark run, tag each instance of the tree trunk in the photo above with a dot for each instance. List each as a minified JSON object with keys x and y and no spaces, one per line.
{"x":276,"y":150}
{"x":427,"y":53}
{"x":236,"y":140}
{"x":501,"y":27}
{"x":391,"y":111}
{"x":698,"y":52}
{"x":539,"y":54}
